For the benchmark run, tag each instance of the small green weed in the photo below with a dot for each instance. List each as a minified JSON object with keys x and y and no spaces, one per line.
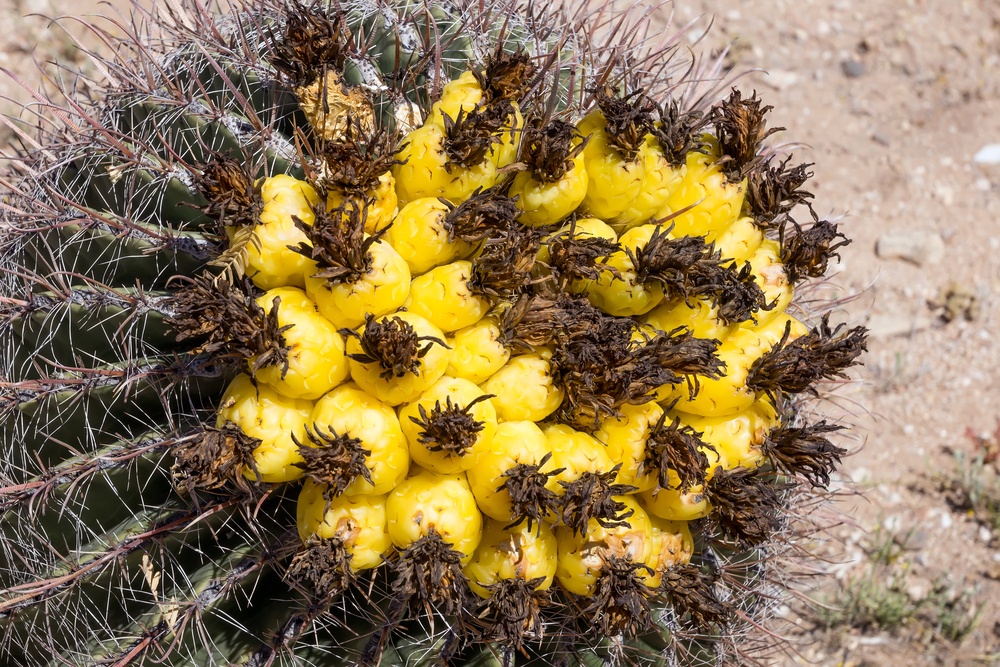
{"x":878,"y":599}
{"x":974,"y":484}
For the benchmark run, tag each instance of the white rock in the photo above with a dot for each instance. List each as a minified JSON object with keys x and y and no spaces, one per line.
{"x":887,"y":325}
{"x":918,"y":247}
{"x":779,"y":79}
{"x":918,"y":590}
{"x":988,"y":154}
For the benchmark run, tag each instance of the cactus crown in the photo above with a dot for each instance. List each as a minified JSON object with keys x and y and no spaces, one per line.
{"x":143,"y":518}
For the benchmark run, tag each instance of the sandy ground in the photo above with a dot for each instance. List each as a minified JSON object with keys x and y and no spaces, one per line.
{"x":892,"y":100}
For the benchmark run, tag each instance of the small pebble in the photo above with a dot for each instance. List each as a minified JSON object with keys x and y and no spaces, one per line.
{"x":881,"y":138}
{"x":852,"y":68}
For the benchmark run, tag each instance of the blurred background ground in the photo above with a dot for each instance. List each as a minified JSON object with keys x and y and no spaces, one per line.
{"x":898,"y":104}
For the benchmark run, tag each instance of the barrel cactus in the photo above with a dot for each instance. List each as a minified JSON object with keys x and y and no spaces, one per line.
{"x":392,"y":333}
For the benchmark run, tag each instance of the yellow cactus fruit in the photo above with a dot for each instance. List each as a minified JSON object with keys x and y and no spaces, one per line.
{"x":357,"y":523}
{"x":277,"y":421}
{"x":504,"y":153}
{"x":676,"y":504}
{"x":624,"y":294}
{"x":698,"y":315}
{"x":584,"y":557}
{"x":425,"y":171}
{"x":659,"y":181}
{"x":555,"y":182}
{"x":712,"y":203}
{"x":459,"y":96}
{"x":770,"y":275}
{"x":519,"y":451}
{"x":523,"y":390}
{"x":357,"y":443}
{"x":575,"y":453}
{"x":380,"y":203}
{"x":311,"y":360}
{"x":512,"y":553}
{"x":614,"y":172}
{"x":427,"y":502}
{"x":397,"y":357}
{"x":562,"y":252}
{"x":737,"y":438}
{"x":729,"y":394}
{"x":421,"y":236}
{"x":449,"y":425}
{"x":477,"y":351}
{"x":444,"y":297}
{"x":740,"y":240}
{"x":268,"y":259}
{"x":380,"y":286}
{"x":625,"y":438}
{"x":672,"y":546}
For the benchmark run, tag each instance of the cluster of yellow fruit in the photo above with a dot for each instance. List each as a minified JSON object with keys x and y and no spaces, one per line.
{"x":400,"y":392}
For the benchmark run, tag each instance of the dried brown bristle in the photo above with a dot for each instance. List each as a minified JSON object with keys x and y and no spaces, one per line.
{"x":601,"y":367}
{"x":807,"y":252}
{"x":272,"y":350}
{"x":470,"y":137}
{"x":513,"y":612}
{"x":313,"y":42}
{"x":804,"y":451}
{"x":532,"y":321}
{"x":669,"y":261}
{"x":212,"y":460}
{"x":619,"y":604}
{"x":548,"y":149}
{"x":687,"y":267}
{"x":741,"y":129}
{"x":746,"y":505}
{"x":592,"y":496}
{"x":679,"y":132}
{"x":227,"y":321}
{"x":574,"y":257}
{"x":321,"y":569}
{"x":338,"y":243}
{"x":335,"y":460}
{"x":627,"y":119}
{"x":679,"y":356}
{"x":506,"y":76}
{"x":530,"y":500}
{"x":484,"y":214}
{"x":393,"y":343}
{"x":691,"y":592}
{"x":450,"y":427}
{"x":738,"y":295}
{"x":502,"y":269}
{"x":678,"y":447}
{"x":772,"y":192}
{"x":353,"y":162}
{"x":594,"y":362}
{"x":429,"y":577}
{"x":823,"y":353}
{"x":231,"y":190}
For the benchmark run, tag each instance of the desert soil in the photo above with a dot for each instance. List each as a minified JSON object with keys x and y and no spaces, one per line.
{"x":892,"y":100}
